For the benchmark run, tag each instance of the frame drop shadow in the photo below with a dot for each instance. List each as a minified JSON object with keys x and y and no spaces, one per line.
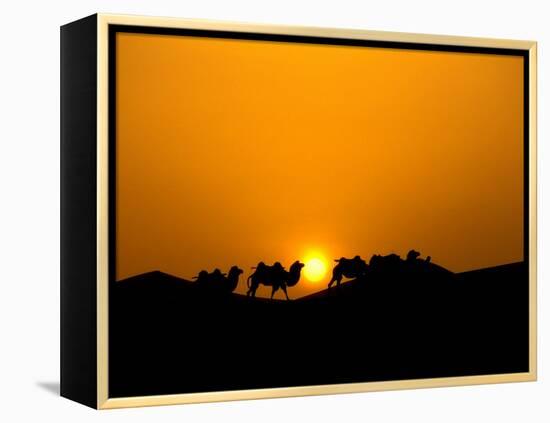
{"x":51,"y":387}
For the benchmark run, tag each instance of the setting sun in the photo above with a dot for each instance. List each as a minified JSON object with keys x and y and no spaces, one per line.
{"x":315,"y":269}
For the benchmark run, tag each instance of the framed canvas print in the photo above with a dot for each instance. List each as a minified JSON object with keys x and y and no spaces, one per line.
{"x":253,"y":211}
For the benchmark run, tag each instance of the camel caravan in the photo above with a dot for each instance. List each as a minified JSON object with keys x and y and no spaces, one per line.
{"x":357,"y":268}
{"x":277,"y":277}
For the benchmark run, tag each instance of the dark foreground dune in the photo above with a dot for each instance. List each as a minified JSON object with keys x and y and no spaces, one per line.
{"x":166,"y":336}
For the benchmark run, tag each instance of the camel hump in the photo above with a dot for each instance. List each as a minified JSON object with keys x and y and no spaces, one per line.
{"x":202,"y":274}
{"x":278,"y":266}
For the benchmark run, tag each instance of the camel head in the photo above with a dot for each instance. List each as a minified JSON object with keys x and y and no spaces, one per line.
{"x":297,"y":266}
{"x":294,"y":273}
{"x":235,"y":271}
{"x":232,"y":280}
{"x":412,"y":255}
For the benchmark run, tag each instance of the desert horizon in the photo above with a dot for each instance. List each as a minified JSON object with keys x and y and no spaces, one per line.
{"x":315,"y":287}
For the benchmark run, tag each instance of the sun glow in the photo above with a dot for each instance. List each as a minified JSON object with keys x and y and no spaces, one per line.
{"x":315,"y":267}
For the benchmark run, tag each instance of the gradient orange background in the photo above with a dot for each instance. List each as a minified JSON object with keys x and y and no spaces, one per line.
{"x":231,"y":152}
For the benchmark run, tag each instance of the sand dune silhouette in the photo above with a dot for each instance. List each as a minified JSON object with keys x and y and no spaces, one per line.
{"x":168,"y":336}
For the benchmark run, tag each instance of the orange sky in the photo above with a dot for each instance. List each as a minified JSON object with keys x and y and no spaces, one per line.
{"x":232,"y":152}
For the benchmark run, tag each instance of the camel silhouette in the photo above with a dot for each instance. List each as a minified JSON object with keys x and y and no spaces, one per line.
{"x":275,"y":276}
{"x":218,"y":281}
{"x":350,"y":268}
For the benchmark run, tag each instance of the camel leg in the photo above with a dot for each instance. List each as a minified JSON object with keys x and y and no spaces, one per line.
{"x":251,"y":291}
{"x":284,"y":290}
{"x":336,"y":279}
{"x":275,"y":288}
